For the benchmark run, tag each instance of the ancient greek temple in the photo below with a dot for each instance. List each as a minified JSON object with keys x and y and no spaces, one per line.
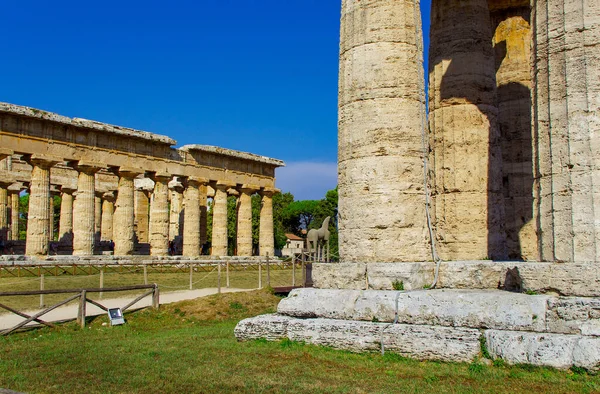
{"x":481,"y":211}
{"x":125,"y":187}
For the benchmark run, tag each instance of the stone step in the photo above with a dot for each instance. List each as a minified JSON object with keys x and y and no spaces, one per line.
{"x":450,"y":307}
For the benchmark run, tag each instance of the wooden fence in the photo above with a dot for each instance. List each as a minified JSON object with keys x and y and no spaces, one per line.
{"x":81,"y":295}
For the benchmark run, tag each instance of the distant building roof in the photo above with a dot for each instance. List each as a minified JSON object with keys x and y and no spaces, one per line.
{"x":294,"y":237}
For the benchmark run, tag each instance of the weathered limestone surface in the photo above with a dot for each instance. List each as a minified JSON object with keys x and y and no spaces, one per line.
{"x":565,"y":279}
{"x":84,"y":212}
{"x":574,"y":316}
{"x":244,"y":223}
{"x":266,"y":237}
{"x":554,"y":350}
{"x":142,"y":222}
{"x":97,"y":217}
{"x":123,"y":219}
{"x":566,"y":87}
{"x":14,"y":215}
{"x":191,"y":219}
{"x":380,"y":149}
{"x":203,"y":201}
{"x":65,"y":224}
{"x":38,"y":216}
{"x":219,"y":232}
{"x":159,"y":217}
{"x":3,"y":212}
{"x":465,"y":141}
{"x":108,"y":209}
{"x":176,"y":214}
{"x":421,"y":342}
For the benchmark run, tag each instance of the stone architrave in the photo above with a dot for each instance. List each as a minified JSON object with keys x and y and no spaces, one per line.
{"x":244,"y":220}
{"x":159,"y":216}
{"x":38,"y":214}
{"x":176,"y":212}
{"x":14,"y":212}
{"x":566,"y":129}
{"x":65,"y":225}
{"x":219,"y":231}
{"x":266,"y":240}
{"x":4,"y":210}
{"x":123,"y":219}
{"x":191,"y":221}
{"x":108,"y":209}
{"x":466,"y":158}
{"x":381,"y":126}
{"x":84,"y":209}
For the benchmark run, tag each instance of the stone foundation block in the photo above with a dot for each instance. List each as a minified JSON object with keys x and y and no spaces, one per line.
{"x":455,"y":308}
{"x":381,"y":276}
{"x":550,"y":350}
{"x":420,"y":342}
{"x":574,"y":316}
{"x":340,"y":276}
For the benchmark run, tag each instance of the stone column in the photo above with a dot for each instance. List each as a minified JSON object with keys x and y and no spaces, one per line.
{"x":266,"y":242}
{"x":381,"y":123}
{"x":141,"y":202}
{"x":84,"y":208}
{"x":176,"y":213}
{"x":123,"y":219}
{"x":219,"y":230}
{"x":38,"y":215}
{"x":512,"y":42}
{"x":108,"y":208}
{"x":51,"y":214}
{"x":98,"y":217}
{"x":244,"y":220}
{"x":203,"y":200}
{"x":4,"y":210}
{"x":191,"y":221}
{"x":14,"y":215}
{"x":466,"y":160}
{"x":65,"y":225}
{"x":159,"y":216}
{"x":566,"y":128}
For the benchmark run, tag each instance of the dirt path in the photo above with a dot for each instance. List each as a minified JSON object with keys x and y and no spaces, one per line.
{"x":69,"y":311}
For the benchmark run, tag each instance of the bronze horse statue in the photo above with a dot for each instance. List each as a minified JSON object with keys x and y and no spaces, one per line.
{"x":317,"y":240}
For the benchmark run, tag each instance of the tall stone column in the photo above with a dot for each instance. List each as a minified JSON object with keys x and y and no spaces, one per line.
{"x":108,"y":208}
{"x":84,"y":207}
{"x":219,"y":230}
{"x":97,"y":217}
{"x":159,"y":216}
{"x":380,"y":129}
{"x":244,"y":220}
{"x":142,"y":222}
{"x":123,"y":219}
{"x":176,"y":213}
{"x":466,"y":160}
{"x":191,"y":221}
{"x":4,"y":210}
{"x":203,"y":200}
{"x":38,"y":215}
{"x":65,"y":225}
{"x":566,"y":126}
{"x":14,"y":215}
{"x":51,"y":214}
{"x":266,"y":241}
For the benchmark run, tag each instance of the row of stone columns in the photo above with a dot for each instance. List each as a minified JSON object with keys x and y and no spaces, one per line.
{"x":87,"y":216}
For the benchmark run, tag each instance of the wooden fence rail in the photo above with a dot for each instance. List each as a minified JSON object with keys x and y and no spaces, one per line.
{"x":81,"y":294}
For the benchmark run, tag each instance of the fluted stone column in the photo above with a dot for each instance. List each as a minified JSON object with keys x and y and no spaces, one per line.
{"x":244,"y":221}
{"x":466,"y":160}
{"x":108,"y":208}
{"x":84,"y":207}
{"x":159,"y":216}
{"x":97,"y":217}
{"x":51,"y":214}
{"x":203,"y":200}
{"x":142,"y":222}
{"x":176,"y":213}
{"x":566,"y":122}
{"x":14,"y":215}
{"x":380,"y":149}
{"x":4,"y":212}
{"x":219,"y":230}
{"x":123,"y":219}
{"x":65,"y":225}
{"x":191,"y":221}
{"x":266,"y":235}
{"x":38,"y":215}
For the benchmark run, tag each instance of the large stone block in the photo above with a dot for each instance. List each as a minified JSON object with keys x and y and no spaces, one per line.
{"x":340,"y":276}
{"x":574,"y":316}
{"x":381,"y":276}
{"x":271,"y":327}
{"x":550,"y":350}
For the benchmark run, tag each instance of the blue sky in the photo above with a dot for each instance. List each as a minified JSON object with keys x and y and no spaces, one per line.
{"x":252,"y":75}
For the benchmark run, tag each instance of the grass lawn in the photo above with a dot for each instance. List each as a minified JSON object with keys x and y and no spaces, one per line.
{"x":189,"y":347}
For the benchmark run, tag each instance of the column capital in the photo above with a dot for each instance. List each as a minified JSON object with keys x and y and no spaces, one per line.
{"x":126,"y":172}
{"x":44,"y":161}
{"x":109,"y":196}
{"x":16,"y":187}
{"x":222,"y":185}
{"x":269,"y":191}
{"x":196,"y":181}
{"x":160,"y":176}
{"x":248,"y":189}
{"x":4,"y":153}
{"x":68,"y":190}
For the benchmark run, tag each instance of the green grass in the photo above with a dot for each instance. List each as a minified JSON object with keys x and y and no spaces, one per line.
{"x":189,"y":347}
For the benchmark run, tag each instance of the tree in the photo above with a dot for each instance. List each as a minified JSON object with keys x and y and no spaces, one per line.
{"x":281,"y":223}
{"x":299,"y":215}
{"x":23,"y":213}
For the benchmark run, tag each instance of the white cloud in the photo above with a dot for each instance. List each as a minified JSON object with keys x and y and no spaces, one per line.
{"x":307,"y":180}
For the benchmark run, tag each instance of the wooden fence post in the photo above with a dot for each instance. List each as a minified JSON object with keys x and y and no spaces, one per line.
{"x":268,"y":271}
{"x":155,"y":297}
{"x":303,"y":270}
{"x":259,"y":275}
{"x":145,"y":274}
{"x":227,"y":274}
{"x":41,"y":288}
{"x":191,"y":276}
{"x":219,"y":277}
{"x":101,"y":281}
{"x":293,"y":269}
{"x":81,"y":311}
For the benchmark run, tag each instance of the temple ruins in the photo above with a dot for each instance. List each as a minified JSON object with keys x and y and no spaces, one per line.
{"x":124,"y":186}
{"x":484,"y":213}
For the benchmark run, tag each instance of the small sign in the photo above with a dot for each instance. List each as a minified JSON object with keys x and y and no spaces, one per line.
{"x":116,"y":316}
